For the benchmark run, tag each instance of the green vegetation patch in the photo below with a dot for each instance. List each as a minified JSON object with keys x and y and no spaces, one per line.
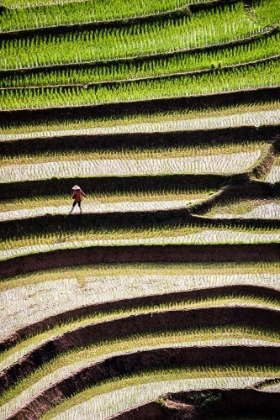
{"x":256,"y":49}
{"x":27,"y":15}
{"x":251,"y":76}
{"x":216,"y":26}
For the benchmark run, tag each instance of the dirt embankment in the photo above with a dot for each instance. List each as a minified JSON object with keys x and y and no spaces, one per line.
{"x":139,"y":253}
{"x":265,"y":162}
{"x":137,"y":324}
{"x":140,"y":361}
{"x":201,"y":405}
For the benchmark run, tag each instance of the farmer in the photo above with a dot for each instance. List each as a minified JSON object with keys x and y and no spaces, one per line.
{"x":78,"y":197}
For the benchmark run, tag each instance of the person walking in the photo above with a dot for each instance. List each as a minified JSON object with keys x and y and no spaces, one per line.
{"x":78,"y":197}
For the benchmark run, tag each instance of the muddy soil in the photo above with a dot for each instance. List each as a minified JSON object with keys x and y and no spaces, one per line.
{"x":141,"y":254}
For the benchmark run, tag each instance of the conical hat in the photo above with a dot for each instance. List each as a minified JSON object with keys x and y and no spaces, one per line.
{"x":76,"y":187}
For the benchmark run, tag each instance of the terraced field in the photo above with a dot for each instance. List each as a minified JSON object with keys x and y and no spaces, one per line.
{"x":162,"y":299}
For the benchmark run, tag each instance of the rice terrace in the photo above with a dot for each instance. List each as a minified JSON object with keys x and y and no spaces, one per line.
{"x":161,"y":301}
